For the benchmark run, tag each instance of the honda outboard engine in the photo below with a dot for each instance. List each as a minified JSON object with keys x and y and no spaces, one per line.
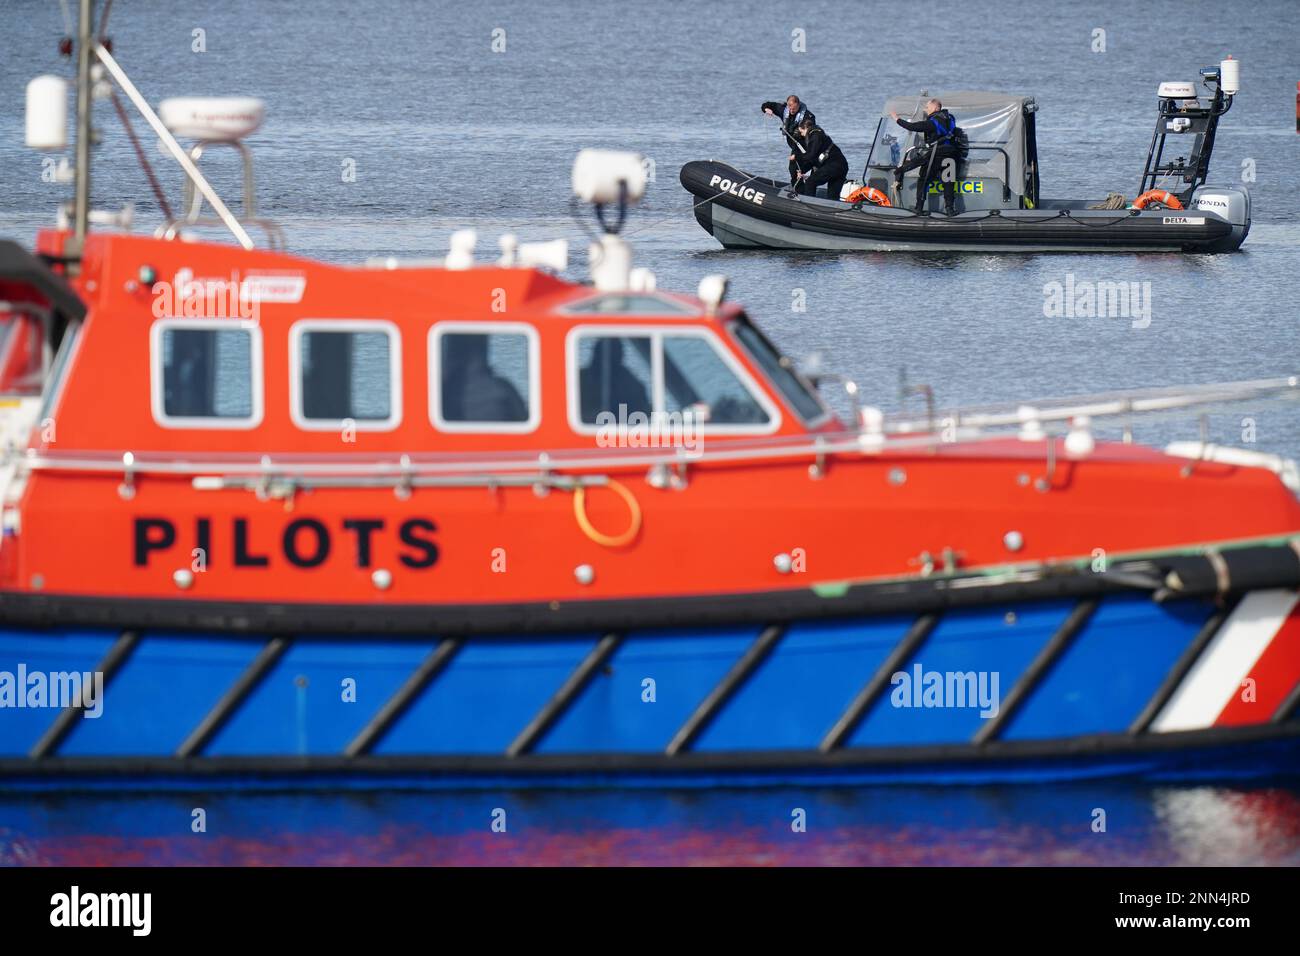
{"x":1228,"y":202}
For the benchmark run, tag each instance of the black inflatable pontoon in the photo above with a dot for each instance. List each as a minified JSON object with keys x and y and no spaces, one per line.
{"x":998,"y":202}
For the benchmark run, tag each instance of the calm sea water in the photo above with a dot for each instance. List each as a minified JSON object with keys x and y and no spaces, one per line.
{"x":978,"y":826}
{"x":444,"y":133}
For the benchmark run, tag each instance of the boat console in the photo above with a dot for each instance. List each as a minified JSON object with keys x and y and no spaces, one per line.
{"x":1001,"y":171}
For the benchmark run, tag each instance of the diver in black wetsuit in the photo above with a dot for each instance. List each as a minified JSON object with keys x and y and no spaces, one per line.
{"x":792,"y":112}
{"x":822,"y":163}
{"x":938,"y":127}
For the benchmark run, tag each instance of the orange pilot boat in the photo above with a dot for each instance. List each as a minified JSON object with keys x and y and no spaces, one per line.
{"x":266,"y":517}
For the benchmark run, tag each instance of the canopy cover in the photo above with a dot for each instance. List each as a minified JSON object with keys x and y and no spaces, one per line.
{"x":994,"y":123}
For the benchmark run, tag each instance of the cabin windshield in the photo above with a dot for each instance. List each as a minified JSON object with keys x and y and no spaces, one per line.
{"x":696,"y":378}
{"x":59,"y":370}
{"x":22,"y":355}
{"x":781,"y":372}
{"x":665,"y":372}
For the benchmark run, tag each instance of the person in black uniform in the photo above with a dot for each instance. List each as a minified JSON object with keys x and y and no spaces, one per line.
{"x":471,"y":389}
{"x":605,"y":383}
{"x":822,"y":163}
{"x":938,"y":127}
{"x":792,"y":112}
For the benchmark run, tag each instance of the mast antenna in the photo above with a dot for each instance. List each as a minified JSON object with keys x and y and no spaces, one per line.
{"x":85,"y":59}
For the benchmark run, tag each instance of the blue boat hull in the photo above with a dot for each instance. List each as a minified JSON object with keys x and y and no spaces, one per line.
{"x":1044,"y":690}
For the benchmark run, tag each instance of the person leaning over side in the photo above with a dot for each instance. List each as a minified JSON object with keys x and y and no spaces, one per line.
{"x":822,"y":163}
{"x":939,"y":129}
{"x":792,"y":112}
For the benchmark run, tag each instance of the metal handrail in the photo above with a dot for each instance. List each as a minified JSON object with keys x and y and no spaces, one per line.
{"x":192,"y":200}
{"x":1124,"y":403}
{"x":1046,"y":421}
{"x":1006,"y":166}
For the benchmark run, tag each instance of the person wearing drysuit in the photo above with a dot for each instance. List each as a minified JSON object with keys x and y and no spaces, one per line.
{"x":792,"y":112}
{"x":821,"y":163}
{"x":939,"y":128}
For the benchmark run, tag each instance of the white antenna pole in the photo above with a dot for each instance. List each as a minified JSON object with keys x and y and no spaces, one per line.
{"x":173,"y":147}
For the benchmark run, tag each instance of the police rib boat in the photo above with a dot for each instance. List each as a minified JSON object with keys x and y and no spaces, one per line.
{"x":269,"y":520}
{"x":998,"y":202}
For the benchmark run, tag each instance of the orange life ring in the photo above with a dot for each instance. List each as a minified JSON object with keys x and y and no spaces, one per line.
{"x":589,"y":529}
{"x":869,"y":194}
{"x":1160,"y":196}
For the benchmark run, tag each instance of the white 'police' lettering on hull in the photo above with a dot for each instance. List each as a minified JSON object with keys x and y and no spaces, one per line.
{"x":735,"y":189}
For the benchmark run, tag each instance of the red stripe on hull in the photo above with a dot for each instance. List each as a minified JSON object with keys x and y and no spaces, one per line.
{"x":1275,"y":673}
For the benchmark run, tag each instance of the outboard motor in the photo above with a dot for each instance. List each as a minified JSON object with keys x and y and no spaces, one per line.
{"x":1229,"y":202}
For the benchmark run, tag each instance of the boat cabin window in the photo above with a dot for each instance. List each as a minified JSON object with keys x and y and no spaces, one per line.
{"x":780,"y":371}
{"x":484,"y":377}
{"x":615,"y":373}
{"x":206,"y":373}
{"x":345,"y":372}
